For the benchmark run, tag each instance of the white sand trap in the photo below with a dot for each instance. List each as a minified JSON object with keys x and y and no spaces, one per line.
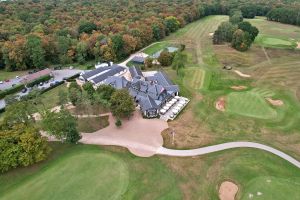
{"x":211,"y":34}
{"x":275,"y":102}
{"x":242,"y":74}
{"x":298,"y":45}
{"x":220,"y":104}
{"x":238,"y":87}
{"x":228,"y":190}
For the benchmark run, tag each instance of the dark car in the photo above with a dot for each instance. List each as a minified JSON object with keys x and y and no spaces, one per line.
{"x":7,"y":80}
{"x":24,"y":90}
{"x":41,"y":84}
{"x":51,"y":84}
{"x":47,"y":81}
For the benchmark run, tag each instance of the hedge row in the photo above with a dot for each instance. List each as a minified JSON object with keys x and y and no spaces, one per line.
{"x":53,"y":86}
{"x":71,"y":78}
{"x":12,"y":90}
{"x":37,"y":81}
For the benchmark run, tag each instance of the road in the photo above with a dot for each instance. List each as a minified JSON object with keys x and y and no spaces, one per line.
{"x":224,"y":146}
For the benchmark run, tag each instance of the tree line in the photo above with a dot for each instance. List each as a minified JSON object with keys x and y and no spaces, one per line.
{"x":239,"y":33}
{"x":39,"y":33}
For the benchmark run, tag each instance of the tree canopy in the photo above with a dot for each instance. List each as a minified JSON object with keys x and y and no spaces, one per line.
{"x":122,"y":104}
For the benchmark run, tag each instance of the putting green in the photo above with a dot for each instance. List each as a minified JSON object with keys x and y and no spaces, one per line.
{"x":250,"y":104}
{"x":272,"y":188}
{"x":273,"y":41}
{"x":86,"y":175}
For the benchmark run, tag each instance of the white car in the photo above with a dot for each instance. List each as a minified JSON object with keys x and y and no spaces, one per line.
{"x":17,"y":77}
{"x":1,"y":82}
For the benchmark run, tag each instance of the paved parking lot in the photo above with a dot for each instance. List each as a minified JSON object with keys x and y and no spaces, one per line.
{"x":58,"y":75}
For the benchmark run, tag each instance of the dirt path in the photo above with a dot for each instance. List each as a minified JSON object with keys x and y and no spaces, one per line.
{"x":266,"y":54}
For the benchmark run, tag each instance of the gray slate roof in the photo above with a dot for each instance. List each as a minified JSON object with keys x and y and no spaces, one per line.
{"x":135,"y":71}
{"x":94,"y":72}
{"x":138,"y":59}
{"x":114,"y":69}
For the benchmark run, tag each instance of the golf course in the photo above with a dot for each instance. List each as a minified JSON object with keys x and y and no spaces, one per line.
{"x":265,"y":109}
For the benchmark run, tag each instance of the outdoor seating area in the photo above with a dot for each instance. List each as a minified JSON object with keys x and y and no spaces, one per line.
{"x":173,"y":107}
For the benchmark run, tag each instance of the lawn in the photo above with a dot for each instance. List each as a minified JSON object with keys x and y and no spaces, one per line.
{"x":250,"y":104}
{"x":275,"y":42}
{"x":90,"y":172}
{"x":155,"y":47}
{"x":50,"y":98}
{"x":92,"y":124}
{"x":67,"y":178}
{"x":8,"y":75}
{"x":272,"y":188}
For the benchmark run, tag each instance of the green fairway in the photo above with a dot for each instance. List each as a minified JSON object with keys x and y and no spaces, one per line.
{"x":272,"y":188}
{"x":250,"y":104}
{"x":86,"y":175}
{"x":89,"y":172}
{"x":155,"y":48}
{"x":275,"y":42}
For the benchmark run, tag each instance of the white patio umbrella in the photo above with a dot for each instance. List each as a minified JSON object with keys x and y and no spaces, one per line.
{"x":169,"y":104}
{"x":177,"y":97}
{"x":166,"y":107}
{"x":174,"y":100}
{"x":180,"y":104}
{"x":162,"y":111}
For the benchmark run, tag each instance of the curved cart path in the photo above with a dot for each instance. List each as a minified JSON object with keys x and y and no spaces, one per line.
{"x":224,"y":146}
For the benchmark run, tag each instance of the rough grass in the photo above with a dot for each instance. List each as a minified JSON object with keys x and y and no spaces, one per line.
{"x":272,"y":188}
{"x":250,"y":104}
{"x":95,"y":109}
{"x":92,"y":124}
{"x":50,"y":98}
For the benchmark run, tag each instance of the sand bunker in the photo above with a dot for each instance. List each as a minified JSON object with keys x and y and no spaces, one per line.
{"x":298,"y":45}
{"x":220,"y":104}
{"x":238,"y":87}
{"x":211,"y":34}
{"x":228,"y":190}
{"x":275,"y":102}
{"x":242,"y":74}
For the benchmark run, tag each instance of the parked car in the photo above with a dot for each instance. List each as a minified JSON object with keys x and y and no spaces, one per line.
{"x":41,"y":84}
{"x":51,"y":84}
{"x":24,"y":90}
{"x":1,"y":82}
{"x":7,"y":80}
{"x":17,"y":77}
{"x":47,"y":81}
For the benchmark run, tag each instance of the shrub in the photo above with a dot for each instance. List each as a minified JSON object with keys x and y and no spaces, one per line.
{"x":118,"y":122}
{"x":37,"y":81}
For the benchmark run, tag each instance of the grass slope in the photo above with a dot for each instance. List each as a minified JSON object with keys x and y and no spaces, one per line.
{"x":250,"y":104}
{"x":155,"y":47}
{"x":89,"y":172}
{"x":96,"y":174}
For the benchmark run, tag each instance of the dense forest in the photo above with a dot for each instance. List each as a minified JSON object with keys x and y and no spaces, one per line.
{"x":39,"y":33}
